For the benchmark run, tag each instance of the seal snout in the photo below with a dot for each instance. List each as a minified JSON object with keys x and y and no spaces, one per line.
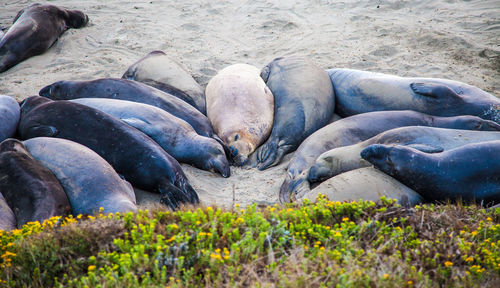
{"x":318,"y":173}
{"x":45,"y":91}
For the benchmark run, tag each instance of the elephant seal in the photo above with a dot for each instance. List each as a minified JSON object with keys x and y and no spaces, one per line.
{"x":123,"y":89}
{"x":30,"y":189}
{"x":426,"y":139}
{"x":9,"y":117}
{"x":469,"y":172}
{"x":132,"y":154}
{"x":36,"y":28}
{"x":368,"y":184}
{"x":357,"y":128}
{"x":240,"y":108}
{"x":89,"y":181}
{"x":303,"y":102}
{"x":173,"y":134}
{"x":362,"y":91}
{"x":7,"y":217}
{"x":158,"y":70}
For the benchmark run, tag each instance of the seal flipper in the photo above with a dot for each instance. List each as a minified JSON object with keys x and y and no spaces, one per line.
{"x":293,"y":188}
{"x":433,"y":90}
{"x":274,"y":158}
{"x":42,"y":131}
{"x":137,"y":123}
{"x":171,"y":195}
{"x":427,"y":148}
{"x":187,"y":190}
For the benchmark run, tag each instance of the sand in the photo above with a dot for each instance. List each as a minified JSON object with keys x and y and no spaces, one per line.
{"x":458,"y":40}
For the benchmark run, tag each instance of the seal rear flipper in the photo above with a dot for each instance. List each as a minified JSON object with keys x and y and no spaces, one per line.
{"x":171,"y":196}
{"x":42,"y":131}
{"x":433,"y":90}
{"x":427,"y":148}
{"x":293,"y":188}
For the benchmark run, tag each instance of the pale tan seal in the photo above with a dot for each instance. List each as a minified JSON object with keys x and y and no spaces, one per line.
{"x":240,"y":108}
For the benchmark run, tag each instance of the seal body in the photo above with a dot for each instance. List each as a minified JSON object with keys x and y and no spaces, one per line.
{"x":158,"y":70}
{"x":427,"y":139}
{"x":7,"y":217}
{"x":36,"y":28}
{"x":173,"y":134}
{"x":368,"y":184}
{"x":470,"y":172}
{"x":362,"y":91}
{"x":123,"y":89}
{"x":303,"y":102}
{"x":89,"y":181}
{"x":132,"y":154}
{"x":354,"y":129}
{"x":240,"y":108}
{"x":30,"y":189}
{"x":9,"y":117}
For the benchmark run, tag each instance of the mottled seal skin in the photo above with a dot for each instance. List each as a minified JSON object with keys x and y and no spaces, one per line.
{"x":7,"y":217}
{"x":368,"y":184}
{"x":132,"y":153}
{"x":354,"y":129}
{"x":89,"y":181}
{"x":123,"y":89}
{"x":362,"y":91}
{"x":426,"y":139}
{"x":173,"y":134}
{"x":30,"y":189}
{"x":303,"y":102}
{"x":240,"y":108}
{"x":158,"y":70}
{"x":9,"y":116}
{"x":470,"y":172}
{"x":36,"y":28}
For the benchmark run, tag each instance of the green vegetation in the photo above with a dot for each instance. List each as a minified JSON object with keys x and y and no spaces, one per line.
{"x":358,"y":244}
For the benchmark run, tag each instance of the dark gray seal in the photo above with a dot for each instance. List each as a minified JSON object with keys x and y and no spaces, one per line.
{"x":368,"y":184}
{"x":30,"y":189}
{"x":158,"y":70}
{"x":7,"y":217}
{"x":89,"y":181}
{"x":132,"y":153}
{"x":9,"y":117}
{"x":173,"y":134}
{"x":426,"y":139}
{"x":470,"y":172}
{"x":303,"y":102}
{"x":354,"y":129}
{"x":36,"y":28}
{"x":123,"y":89}
{"x":361,"y":91}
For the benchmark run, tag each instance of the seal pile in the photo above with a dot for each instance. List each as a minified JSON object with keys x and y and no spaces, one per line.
{"x":82,"y":145}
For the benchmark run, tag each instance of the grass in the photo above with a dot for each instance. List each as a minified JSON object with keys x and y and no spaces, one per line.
{"x":326,"y":244}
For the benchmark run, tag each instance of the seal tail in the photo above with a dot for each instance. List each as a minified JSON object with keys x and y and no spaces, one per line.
{"x":293,"y":188}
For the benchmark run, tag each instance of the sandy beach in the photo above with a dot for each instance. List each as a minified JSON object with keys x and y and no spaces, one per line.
{"x":458,"y":40}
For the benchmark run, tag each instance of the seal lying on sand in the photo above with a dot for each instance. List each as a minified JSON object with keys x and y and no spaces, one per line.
{"x":132,"y":154}
{"x":89,"y":181}
{"x":426,"y":139}
{"x":240,"y":108}
{"x":122,"y":89}
{"x":470,"y":172}
{"x":173,"y":134}
{"x":30,"y":189}
{"x":303,"y":102}
{"x":7,"y":217}
{"x":158,"y":70}
{"x":35,"y":29}
{"x":354,"y":129}
{"x":9,"y":117}
{"x":367,"y":184}
{"x":361,"y":91}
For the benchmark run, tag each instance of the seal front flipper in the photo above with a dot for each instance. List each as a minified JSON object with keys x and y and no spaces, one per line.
{"x":427,"y":148}
{"x":137,"y":123}
{"x":171,"y":196}
{"x":433,"y":90}
{"x":42,"y":131}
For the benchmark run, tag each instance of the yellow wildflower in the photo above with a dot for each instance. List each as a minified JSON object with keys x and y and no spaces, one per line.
{"x":91,"y":268}
{"x":448,"y":263}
